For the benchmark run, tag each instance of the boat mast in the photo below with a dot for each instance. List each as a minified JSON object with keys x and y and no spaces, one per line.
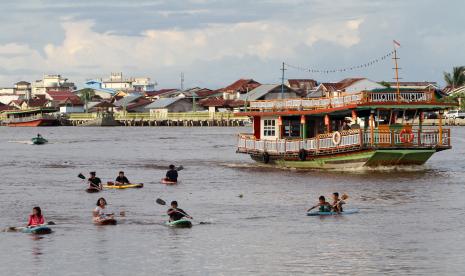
{"x":395,"y":58}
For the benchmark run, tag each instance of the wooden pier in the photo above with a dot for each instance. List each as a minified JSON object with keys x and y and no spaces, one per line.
{"x":186,"y":119}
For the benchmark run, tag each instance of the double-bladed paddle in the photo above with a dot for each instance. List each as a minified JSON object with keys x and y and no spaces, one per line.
{"x":19,"y":228}
{"x":162,"y":202}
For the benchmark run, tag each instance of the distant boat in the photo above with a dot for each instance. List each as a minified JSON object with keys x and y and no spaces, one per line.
{"x":31,"y":118}
{"x":39,"y":140}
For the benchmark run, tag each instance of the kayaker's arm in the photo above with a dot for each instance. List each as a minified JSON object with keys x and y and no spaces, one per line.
{"x":313,"y":208}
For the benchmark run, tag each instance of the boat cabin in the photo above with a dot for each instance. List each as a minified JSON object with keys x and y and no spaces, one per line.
{"x":301,"y":129}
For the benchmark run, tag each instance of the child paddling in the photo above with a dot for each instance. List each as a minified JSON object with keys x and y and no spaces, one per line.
{"x":36,"y":218}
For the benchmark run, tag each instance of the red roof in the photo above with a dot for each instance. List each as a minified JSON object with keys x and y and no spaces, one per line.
{"x":4,"y":107}
{"x":241,"y":86}
{"x":203,"y":93}
{"x":64,"y":97}
{"x":341,"y":85}
{"x":220,"y":102}
{"x":138,"y":103}
{"x":302,"y":83}
{"x":37,"y":102}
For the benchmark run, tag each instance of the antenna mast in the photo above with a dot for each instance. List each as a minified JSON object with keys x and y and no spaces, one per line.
{"x":282,"y":80}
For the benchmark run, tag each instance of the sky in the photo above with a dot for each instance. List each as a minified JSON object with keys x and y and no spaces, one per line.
{"x":215,"y":42}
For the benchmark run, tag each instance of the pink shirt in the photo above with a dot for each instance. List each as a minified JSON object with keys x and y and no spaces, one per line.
{"x":35,"y":220}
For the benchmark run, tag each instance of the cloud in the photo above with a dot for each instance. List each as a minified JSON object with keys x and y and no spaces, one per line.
{"x":155,"y":49}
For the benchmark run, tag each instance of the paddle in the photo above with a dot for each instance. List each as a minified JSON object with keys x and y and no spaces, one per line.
{"x":343,"y":197}
{"x":19,"y":228}
{"x":81,"y":176}
{"x":162,"y":202}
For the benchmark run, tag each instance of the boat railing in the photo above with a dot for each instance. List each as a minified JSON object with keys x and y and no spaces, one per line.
{"x":348,"y":140}
{"x":343,"y":100}
{"x":413,"y":138}
{"x":404,"y":97}
{"x":30,"y":118}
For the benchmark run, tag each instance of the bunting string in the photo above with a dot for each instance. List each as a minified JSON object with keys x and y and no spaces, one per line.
{"x":351,"y":68}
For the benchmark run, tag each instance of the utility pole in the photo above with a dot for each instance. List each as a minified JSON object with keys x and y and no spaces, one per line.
{"x":282,"y":80}
{"x":182,"y":81}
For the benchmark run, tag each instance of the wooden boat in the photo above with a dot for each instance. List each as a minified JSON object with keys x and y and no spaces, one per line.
{"x":31,"y":118}
{"x":386,"y":130}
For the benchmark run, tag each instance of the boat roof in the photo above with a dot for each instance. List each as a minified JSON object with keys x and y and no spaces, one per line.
{"x":33,"y":110}
{"x":366,"y":100}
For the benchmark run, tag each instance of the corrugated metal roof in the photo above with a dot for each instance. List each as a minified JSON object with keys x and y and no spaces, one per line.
{"x":127,"y":100}
{"x":162,"y":103}
{"x":258,"y":92}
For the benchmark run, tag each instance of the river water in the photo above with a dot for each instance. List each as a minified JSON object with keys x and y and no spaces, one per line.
{"x":411,"y":220}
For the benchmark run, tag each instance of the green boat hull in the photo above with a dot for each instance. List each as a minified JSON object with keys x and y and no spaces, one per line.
{"x":358,"y":159}
{"x":39,"y":141}
{"x":182,"y":223}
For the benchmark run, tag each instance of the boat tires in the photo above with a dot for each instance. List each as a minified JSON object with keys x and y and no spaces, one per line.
{"x":266,"y":158}
{"x":302,"y":155}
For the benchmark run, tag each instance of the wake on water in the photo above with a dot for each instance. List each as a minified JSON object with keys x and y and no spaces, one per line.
{"x":258,"y":166}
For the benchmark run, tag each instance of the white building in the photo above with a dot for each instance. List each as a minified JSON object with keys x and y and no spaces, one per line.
{"x":51,"y":82}
{"x":118,"y":82}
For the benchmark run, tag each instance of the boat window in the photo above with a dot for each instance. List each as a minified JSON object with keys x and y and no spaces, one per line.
{"x":292,"y":128}
{"x":269,"y":127}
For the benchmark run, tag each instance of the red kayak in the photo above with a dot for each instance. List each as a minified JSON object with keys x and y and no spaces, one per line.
{"x":167,"y":182}
{"x":92,"y":190}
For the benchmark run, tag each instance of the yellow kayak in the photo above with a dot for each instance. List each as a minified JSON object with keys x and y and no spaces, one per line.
{"x":126,"y":186}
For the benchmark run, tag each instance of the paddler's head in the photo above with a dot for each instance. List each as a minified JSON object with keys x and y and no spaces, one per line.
{"x":322,"y":199}
{"x":171,"y":167}
{"x":335,"y":195}
{"x":174,"y":204}
{"x":92,"y":174}
{"x":121,"y":173}
{"x":36,"y":211}
{"x":101,"y":202}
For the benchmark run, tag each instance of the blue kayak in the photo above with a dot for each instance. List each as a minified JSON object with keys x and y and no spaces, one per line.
{"x":37,"y":230}
{"x":345,"y":212}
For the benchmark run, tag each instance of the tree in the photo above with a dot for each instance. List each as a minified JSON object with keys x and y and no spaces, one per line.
{"x":86,"y":95}
{"x":456,"y":78}
{"x":385,"y":83}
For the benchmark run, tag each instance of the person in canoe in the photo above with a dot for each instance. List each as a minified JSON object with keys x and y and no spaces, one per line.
{"x":176,"y":213}
{"x":121,"y":179}
{"x":94,"y":181}
{"x":171,"y":174}
{"x":38,"y":135}
{"x":99,"y":211}
{"x":323,"y":205}
{"x":36,"y":218}
{"x":337,"y":203}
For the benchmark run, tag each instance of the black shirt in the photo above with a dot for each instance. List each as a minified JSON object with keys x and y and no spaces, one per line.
{"x":172,"y":175}
{"x":176,"y":215}
{"x":95,"y":182}
{"x":122,"y":179}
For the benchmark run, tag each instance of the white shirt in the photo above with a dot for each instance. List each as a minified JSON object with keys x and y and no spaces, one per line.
{"x":100,"y":211}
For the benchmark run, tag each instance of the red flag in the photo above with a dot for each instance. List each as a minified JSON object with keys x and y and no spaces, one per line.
{"x":396,"y":43}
